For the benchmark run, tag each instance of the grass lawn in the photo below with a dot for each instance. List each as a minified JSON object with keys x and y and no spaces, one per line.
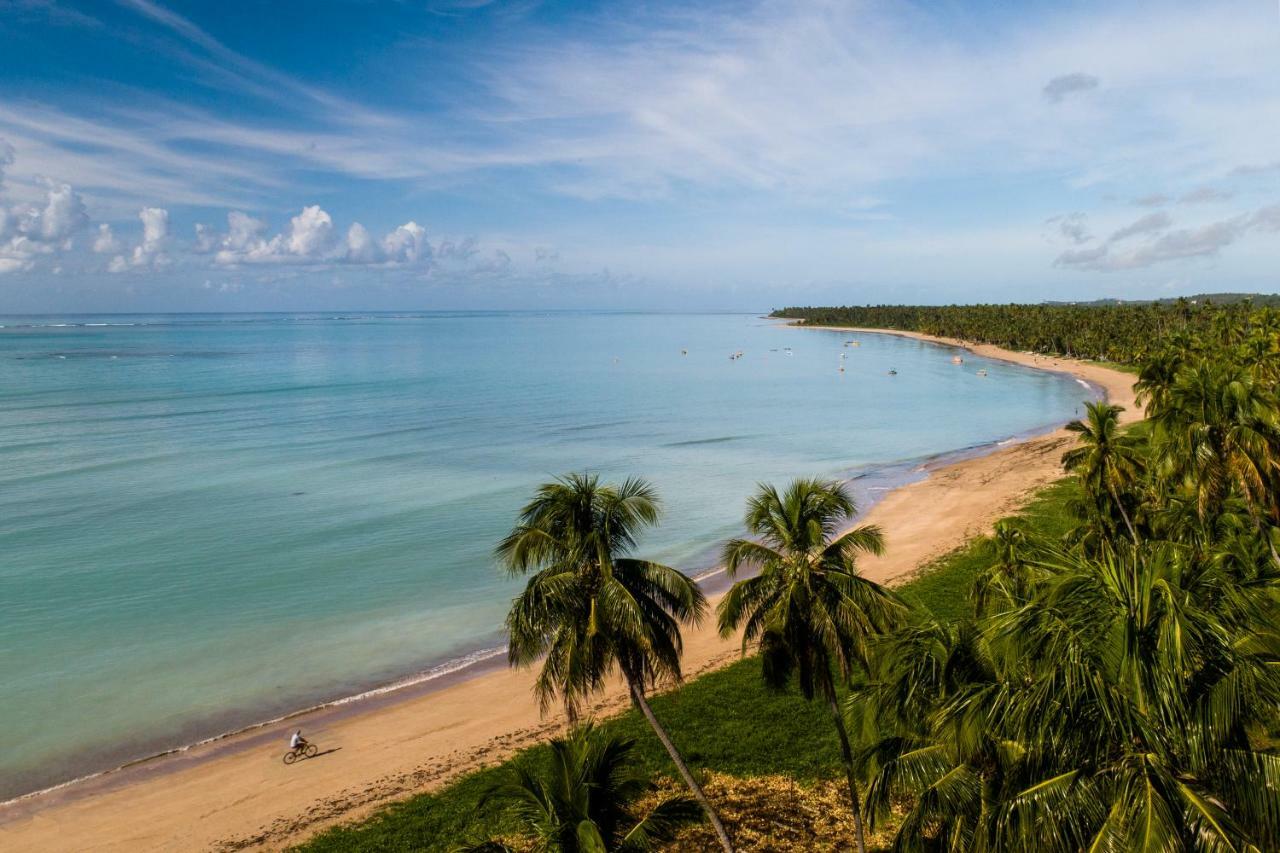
{"x":725,"y":720}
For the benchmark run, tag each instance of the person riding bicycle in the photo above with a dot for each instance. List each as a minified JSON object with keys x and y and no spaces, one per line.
{"x":298,"y":742}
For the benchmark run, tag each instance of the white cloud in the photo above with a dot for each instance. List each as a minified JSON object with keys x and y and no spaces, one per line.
{"x":155,"y":226}
{"x":311,"y":239}
{"x":310,"y":233}
{"x":206,"y":239}
{"x":407,"y":244}
{"x":63,"y":214}
{"x":361,"y":247}
{"x":105,"y":243}
{"x":44,"y":228}
{"x":243,"y":231}
{"x":149,"y":254}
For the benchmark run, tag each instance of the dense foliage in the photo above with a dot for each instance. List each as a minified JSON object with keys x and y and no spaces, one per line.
{"x":589,"y":800}
{"x":1126,"y":333}
{"x":1112,"y":684}
{"x":1115,"y":688}
{"x":590,"y":608}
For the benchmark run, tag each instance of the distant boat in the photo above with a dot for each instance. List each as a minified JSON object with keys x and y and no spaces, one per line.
{"x":855,"y":343}
{"x":982,"y":372}
{"x":955,"y":359}
{"x":684,"y":352}
{"x":893,"y":372}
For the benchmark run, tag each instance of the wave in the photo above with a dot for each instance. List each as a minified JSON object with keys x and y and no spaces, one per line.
{"x":696,"y":441}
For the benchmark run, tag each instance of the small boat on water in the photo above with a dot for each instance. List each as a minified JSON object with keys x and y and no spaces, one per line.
{"x":955,"y":359}
{"x":893,"y":372}
{"x":684,"y":352}
{"x":982,"y":372}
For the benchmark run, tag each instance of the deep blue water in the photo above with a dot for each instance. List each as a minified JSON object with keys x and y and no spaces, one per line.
{"x":208,"y":520}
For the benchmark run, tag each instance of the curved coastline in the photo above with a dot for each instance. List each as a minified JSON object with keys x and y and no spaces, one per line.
{"x":471,"y":720}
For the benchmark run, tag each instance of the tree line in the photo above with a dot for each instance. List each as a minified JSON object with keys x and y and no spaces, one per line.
{"x":1126,"y":333}
{"x":1115,"y":688}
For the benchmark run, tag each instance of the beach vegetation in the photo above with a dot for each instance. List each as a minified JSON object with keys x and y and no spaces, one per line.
{"x":590,"y":797}
{"x":804,"y":608}
{"x":590,"y":609}
{"x":1101,"y":673}
{"x":1125,"y":333}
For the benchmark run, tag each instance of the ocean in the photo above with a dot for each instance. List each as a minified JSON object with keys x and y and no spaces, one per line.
{"x":210,"y":520}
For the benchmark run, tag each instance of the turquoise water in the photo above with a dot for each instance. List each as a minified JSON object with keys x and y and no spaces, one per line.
{"x":209,"y":520}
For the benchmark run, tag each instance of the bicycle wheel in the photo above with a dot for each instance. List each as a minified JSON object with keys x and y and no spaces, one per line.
{"x":290,"y":757}
{"x":312,"y":749}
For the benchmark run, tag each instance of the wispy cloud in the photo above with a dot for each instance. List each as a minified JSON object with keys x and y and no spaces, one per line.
{"x":1202,"y":241}
{"x":1205,"y":195}
{"x":1069,"y":84}
{"x":1144,"y":225}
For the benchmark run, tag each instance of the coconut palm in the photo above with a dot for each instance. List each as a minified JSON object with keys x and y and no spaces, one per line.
{"x":586,"y":801}
{"x":1220,"y":433}
{"x":1009,"y":575}
{"x":1113,"y":711}
{"x":1107,"y":460}
{"x":588,"y":608}
{"x":810,"y":611}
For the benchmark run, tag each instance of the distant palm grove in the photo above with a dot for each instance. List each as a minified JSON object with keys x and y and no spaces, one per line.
{"x":1123,"y":333}
{"x":1111,"y":684}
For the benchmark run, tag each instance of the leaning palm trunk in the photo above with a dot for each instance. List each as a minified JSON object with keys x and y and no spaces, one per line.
{"x":638,"y":697}
{"x":846,"y":754}
{"x":1120,"y":506}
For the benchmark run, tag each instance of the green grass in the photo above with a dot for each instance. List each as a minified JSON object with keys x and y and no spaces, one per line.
{"x":943,"y":586}
{"x":725,"y":720}
{"x":1122,"y":366}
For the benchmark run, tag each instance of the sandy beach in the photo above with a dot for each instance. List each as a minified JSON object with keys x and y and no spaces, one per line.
{"x":236,"y":793}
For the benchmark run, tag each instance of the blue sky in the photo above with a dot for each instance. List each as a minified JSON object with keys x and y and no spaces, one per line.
{"x":742,"y":156}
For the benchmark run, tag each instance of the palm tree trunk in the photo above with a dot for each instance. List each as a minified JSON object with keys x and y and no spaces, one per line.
{"x":637,"y":696}
{"x":1120,"y":506}
{"x":846,"y":753}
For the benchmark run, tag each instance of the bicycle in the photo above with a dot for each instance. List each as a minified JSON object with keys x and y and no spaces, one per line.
{"x":306,"y":750}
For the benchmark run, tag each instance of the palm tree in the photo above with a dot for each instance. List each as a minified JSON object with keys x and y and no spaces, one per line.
{"x":1106,"y":459}
{"x":585,"y":802}
{"x":1113,"y":711}
{"x":811,"y":612}
{"x":1008,"y":578}
{"x":1220,"y":432}
{"x":588,"y":607}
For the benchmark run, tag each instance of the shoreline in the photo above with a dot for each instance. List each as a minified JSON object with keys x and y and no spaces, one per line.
{"x":438,"y":674}
{"x":402,"y":739}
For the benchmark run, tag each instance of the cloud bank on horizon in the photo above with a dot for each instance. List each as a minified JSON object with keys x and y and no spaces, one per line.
{"x":741,"y":155}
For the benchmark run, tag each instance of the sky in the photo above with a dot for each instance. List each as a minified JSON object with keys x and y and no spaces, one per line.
{"x":452,"y":154}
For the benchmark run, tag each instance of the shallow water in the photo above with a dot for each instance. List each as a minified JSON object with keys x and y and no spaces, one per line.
{"x":209,"y":520}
